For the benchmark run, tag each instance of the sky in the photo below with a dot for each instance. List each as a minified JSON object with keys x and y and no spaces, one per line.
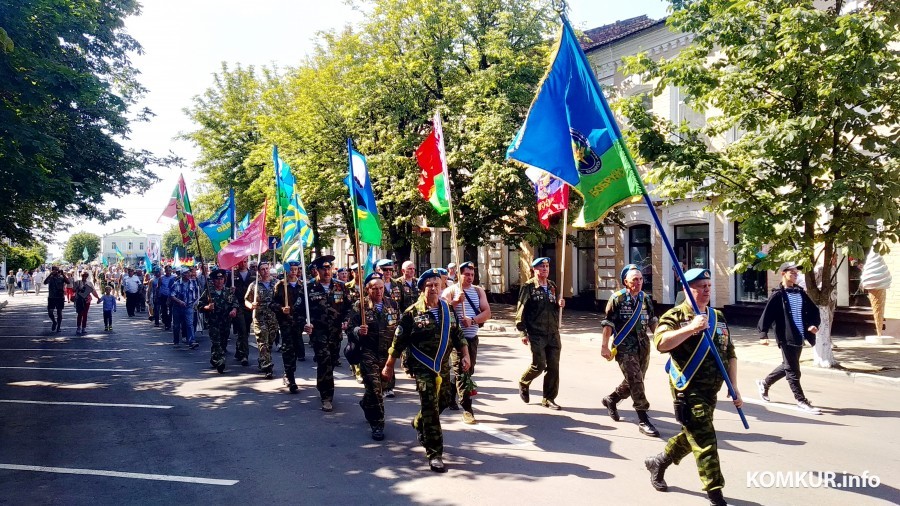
{"x":185,"y":43}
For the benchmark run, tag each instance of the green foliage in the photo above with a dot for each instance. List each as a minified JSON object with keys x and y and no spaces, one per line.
{"x":477,"y":61}
{"x":816,"y":96}
{"x":172,"y":239}
{"x":6,"y":43}
{"x":26,"y":258}
{"x":74,"y":249}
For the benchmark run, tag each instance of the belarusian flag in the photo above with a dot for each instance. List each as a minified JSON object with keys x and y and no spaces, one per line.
{"x":433,"y":177}
{"x":179,"y":207}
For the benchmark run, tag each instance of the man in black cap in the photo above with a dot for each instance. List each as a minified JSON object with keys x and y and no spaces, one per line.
{"x":537,"y":320}
{"x":429,"y":329}
{"x":629,"y":315}
{"x":374,"y":337}
{"x":243,"y":279}
{"x":287,"y":292}
{"x":796,"y":318}
{"x":328,"y":307}
{"x":220,"y":307}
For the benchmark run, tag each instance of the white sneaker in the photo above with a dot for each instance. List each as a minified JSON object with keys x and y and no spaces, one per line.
{"x":389,"y":394}
{"x":763,"y":390}
{"x":809,"y":408}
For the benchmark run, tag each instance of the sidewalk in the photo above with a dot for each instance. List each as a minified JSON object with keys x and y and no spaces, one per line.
{"x":858,"y":360}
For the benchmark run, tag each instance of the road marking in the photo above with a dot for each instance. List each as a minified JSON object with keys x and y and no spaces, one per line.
{"x":68,"y":369}
{"x":65,"y":349}
{"x":499,"y":434}
{"x":95,"y":404}
{"x":118,"y":474}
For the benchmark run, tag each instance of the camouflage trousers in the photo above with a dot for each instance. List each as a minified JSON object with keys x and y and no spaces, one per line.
{"x":634,"y":367}
{"x":218,"y":338}
{"x":433,"y":402}
{"x":291,"y":345}
{"x":544,"y":357}
{"x":372,"y":403}
{"x":326,"y":348}
{"x":699,"y":436}
{"x":242,"y":325}
{"x":265,"y":328}
{"x":465,"y":400}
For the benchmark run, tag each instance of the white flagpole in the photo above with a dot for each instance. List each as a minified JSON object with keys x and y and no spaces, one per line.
{"x":303,"y":272}
{"x":439,"y":131}
{"x":562,"y":264}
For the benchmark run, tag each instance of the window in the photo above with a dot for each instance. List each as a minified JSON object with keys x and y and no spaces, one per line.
{"x":692,"y":250}
{"x":470,"y":254}
{"x":640,"y":252}
{"x":446,"y":247}
{"x":512,"y":268}
{"x":130,"y":245}
{"x":141,"y":246}
{"x":858,"y":295}
{"x":750,"y":285}
{"x":586,"y":257}
{"x":549,"y":250}
{"x":114,"y":245}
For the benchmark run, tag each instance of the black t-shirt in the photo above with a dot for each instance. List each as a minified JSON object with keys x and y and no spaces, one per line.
{"x":56,"y":284}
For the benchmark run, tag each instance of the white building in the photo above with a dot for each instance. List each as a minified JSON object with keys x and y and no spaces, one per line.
{"x":132,"y":243}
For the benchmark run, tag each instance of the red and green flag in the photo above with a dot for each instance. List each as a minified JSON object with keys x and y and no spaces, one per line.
{"x":434,"y":181}
{"x":179,"y":207}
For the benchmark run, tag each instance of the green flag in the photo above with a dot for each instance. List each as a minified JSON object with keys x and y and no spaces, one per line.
{"x":84,"y":254}
{"x":362,"y":198}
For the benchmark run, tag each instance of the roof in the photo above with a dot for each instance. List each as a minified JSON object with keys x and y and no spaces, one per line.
{"x":125,"y":233}
{"x":606,"y":34}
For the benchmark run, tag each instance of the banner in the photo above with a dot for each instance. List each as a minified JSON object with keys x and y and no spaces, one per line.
{"x":254,"y":241}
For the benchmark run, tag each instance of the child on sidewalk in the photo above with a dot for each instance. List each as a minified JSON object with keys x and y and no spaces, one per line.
{"x":109,"y":306}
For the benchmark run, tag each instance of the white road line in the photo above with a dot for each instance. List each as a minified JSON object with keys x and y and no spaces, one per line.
{"x":118,"y":474}
{"x":95,"y":404}
{"x":68,"y":369}
{"x":499,"y":434}
{"x":65,"y":349}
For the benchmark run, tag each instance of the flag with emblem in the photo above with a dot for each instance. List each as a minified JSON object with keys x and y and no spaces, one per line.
{"x":179,"y":207}
{"x":571,"y":133}
{"x":295,"y":230}
{"x":552,"y":195}
{"x":218,"y":226}
{"x":254,"y":241}
{"x":434,"y":180}
{"x":362,"y":198}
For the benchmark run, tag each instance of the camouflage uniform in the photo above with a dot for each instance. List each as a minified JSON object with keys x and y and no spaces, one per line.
{"x":420,"y":328}
{"x":409,"y":293}
{"x":537,"y":316}
{"x":244,"y":318}
{"x":265,"y":326}
{"x":374,"y":346}
{"x":393,"y":292}
{"x":219,"y":321}
{"x":633,"y":353}
{"x":698,"y":435}
{"x":291,"y":328}
{"x":327,"y":312}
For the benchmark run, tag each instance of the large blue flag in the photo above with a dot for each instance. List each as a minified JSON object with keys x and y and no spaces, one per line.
{"x":295,"y":230}
{"x":571,"y":133}
{"x":218,"y":227}
{"x":362,"y":198}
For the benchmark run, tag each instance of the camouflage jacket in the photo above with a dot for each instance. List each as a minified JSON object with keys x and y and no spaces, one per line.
{"x":382,"y":325}
{"x":327,"y":308}
{"x":264,"y":295}
{"x":707,"y":381}
{"x":619,"y":309}
{"x":409,"y":294}
{"x":537,"y":312}
{"x":420,"y":328}
{"x":224,"y":301}
{"x":394,"y":291}
{"x":295,"y":293}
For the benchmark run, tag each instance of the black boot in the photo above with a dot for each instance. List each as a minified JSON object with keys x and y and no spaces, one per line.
{"x":609,"y":402}
{"x":645,"y":426}
{"x":290,"y":382}
{"x":716,"y":498}
{"x":657,"y":466}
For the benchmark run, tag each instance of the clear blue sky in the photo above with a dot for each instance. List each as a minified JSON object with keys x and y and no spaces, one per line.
{"x":185,"y":42}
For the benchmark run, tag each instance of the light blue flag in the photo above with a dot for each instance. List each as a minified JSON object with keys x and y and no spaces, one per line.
{"x":148,"y":266}
{"x":218,"y":227}
{"x":362,"y":198}
{"x":244,"y":223}
{"x":370,"y":260}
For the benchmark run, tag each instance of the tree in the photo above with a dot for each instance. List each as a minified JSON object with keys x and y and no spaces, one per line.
{"x":66,"y":86}
{"x":817,"y":97}
{"x":74,"y":250}
{"x":20,"y":257}
{"x":171,"y":241}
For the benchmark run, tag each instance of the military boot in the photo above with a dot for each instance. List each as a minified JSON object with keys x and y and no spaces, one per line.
{"x":716,"y":498}
{"x":657,"y":466}
{"x":291,"y":382}
{"x":645,"y":426}
{"x":609,"y":402}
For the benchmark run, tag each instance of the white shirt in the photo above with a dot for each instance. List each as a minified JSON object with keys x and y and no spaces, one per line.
{"x":132,"y":283}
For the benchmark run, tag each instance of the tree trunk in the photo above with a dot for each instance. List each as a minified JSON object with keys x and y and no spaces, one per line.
{"x":823,"y":353}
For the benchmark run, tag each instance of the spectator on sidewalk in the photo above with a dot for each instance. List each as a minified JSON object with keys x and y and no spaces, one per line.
{"x":11,"y":284}
{"x":38,"y":279}
{"x":796,"y":318}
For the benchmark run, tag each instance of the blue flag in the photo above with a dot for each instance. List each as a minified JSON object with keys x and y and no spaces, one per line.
{"x":244,"y":223}
{"x":218,"y":227}
{"x":148,"y":266}
{"x":362,"y":198}
{"x":571,"y":133}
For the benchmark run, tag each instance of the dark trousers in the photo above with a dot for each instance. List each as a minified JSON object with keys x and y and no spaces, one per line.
{"x":242,"y":333}
{"x":291,"y":344}
{"x":107,"y":318}
{"x":163,"y":310}
{"x":55,"y":308}
{"x":130,"y":302}
{"x":324,"y":347}
{"x":790,"y":369}
{"x":544,"y":357}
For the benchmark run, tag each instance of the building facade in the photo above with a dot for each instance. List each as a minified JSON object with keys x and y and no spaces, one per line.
{"x":132,"y":243}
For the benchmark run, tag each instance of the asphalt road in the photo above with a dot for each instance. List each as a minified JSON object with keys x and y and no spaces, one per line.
{"x":125,"y":418}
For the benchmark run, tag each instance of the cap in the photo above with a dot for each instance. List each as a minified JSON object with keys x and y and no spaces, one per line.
{"x":788,"y":266}
{"x":354,"y":266}
{"x":451,"y":265}
{"x":541,"y":260}
{"x":425,"y":276}
{"x":372,"y":276}
{"x":696,"y":275}
{"x":465,"y":265}
{"x":385,"y":263}
{"x":322,"y":262}
{"x":343,"y":269}
{"x":217,"y":274}
{"x":184,"y":270}
{"x":629,"y":267}
{"x":293,"y":263}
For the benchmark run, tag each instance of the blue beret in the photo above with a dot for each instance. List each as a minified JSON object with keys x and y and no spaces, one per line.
{"x":343,"y":269}
{"x":466,"y":265}
{"x":372,"y":276}
{"x":385,"y":262}
{"x":293,"y":263}
{"x":696,"y":275}
{"x":322,"y":262}
{"x":538,"y":261}
{"x":627,"y":268}
{"x":442,"y":271}
{"x":430,"y":273}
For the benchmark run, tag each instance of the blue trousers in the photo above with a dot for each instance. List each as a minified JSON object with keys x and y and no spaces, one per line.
{"x":182,"y":317}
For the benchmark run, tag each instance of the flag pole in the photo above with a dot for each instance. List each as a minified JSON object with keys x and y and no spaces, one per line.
{"x":562,"y":262}
{"x":362,"y":289}
{"x":454,"y":254}
{"x":303,"y":273}
{"x":281,"y":224}
{"x":233,"y":206}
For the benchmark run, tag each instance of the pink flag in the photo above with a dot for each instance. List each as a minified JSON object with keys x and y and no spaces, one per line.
{"x":253,"y":241}
{"x":552,"y":195}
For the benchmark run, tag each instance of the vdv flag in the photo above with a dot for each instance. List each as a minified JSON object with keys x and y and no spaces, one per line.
{"x":119,"y":253}
{"x":571,"y":133}
{"x":294,"y":220}
{"x":362,"y":198}
{"x":148,"y":265}
{"x":218,"y":226}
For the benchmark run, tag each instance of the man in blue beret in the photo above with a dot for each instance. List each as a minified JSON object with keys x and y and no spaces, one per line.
{"x":537,"y":320}
{"x":695,"y":385}
{"x":429,"y":329}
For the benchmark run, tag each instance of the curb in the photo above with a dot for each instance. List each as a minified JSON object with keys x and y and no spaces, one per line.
{"x":856,"y":377}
